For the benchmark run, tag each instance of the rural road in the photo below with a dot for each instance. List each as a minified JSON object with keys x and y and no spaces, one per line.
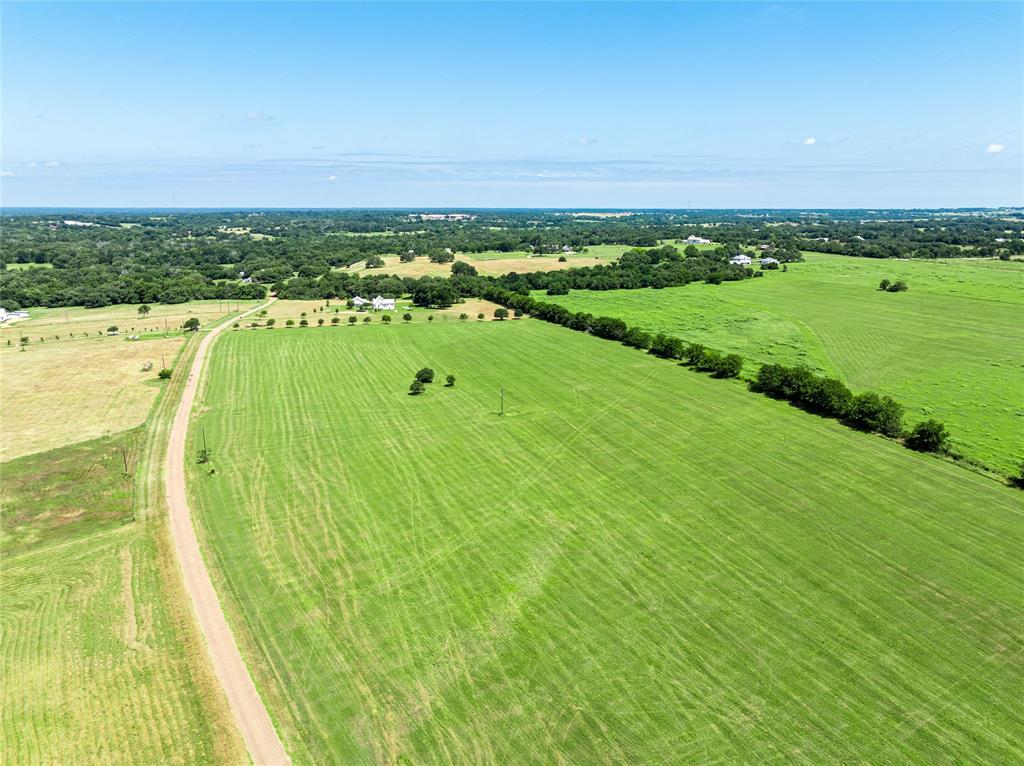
{"x":261,"y":740}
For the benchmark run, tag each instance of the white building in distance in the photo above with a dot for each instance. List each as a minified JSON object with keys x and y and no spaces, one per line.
{"x":695,"y":240}
{"x":740,"y":260}
{"x":383,"y":304}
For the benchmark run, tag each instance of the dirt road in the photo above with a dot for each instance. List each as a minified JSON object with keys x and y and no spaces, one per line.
{"x":253,"y":721}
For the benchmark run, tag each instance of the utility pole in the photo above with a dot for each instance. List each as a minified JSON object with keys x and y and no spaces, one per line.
{"x":502,"y":411}
{"x":204,"y":442}
{"x":163,"y":362}
{"x":124,"y":457}
{"x":165,"y":327}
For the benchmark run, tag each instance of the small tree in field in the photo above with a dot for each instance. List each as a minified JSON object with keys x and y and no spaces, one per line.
{"x":501,"y":314}
{"x":463,"y":317}
{"x":449,"y":381}
{"x":271,"y":323}
{"x":367,"y":319}
{"x":416,"y":388}
{"x":144,"y":310}
{"x":289,"y":323}
{"x":480,"y":316}
{"x":517,"y":314}
{"x":928,"y":436}
{"x":386,"y":319}
{"x":425,"y":375}
{"x":406,"y":317}
{"x":164,"y":374}
{"x":884,"y":284}
{"x":112,"y":330}
{"x":335,"y":319}
{"x":303,"y":323}
{"x":320,"y":322}
{"x":352,"y":320}
{"x":191,"y":324}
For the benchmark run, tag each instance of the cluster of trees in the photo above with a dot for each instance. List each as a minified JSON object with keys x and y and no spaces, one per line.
{"x":889,"y":286}
{"x":424,"y":377}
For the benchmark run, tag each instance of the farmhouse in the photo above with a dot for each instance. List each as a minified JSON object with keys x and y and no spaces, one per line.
{"x":740,"y":260}
{"x":769,"y":261}
{"x":6,"y":315}
{"x":383,"y":304}
{"x":359,"y":301}
{"x":695,"y":240}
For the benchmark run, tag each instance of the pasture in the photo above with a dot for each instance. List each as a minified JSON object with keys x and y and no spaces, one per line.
{"x":636,"y":564}
{"x":950,"y":348}
{"x":97,"y":650}
{"x":494,"y":263}
{"x":67,"y":390}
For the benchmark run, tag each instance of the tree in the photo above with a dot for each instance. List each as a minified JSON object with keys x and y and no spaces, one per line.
{"x":884,"y":284}
{"x":666,"y":347}
{"x":449,"y":381}
{"x":144,"y":310}
{"x":303,"y":323}
{"x":517,"y":313}
{"x":430,"y":318}
{"x":871,"y":412}
{"x":164,"y":374}
{"x":464,"y":269}
{"x":271,"y":323}
{"x":480,"y":316}
{"x":416,"y":388}
{"x":191,"y":324}
{"x":335,"y":320}
{"x":562,"y":259}
{"x":112,"y":330}
{"x":899,"y":286}
{"x":367,"y":319}
{"x":501,"y":314}
{"x":352,"y":320}
{"x":928,"y":436}
{"x":374,"y":262}
{"x":23,"y":341}
{"x":289,"y":323}
{"x":463,"y":317}
{"x":386,"y":319}
{"x":407,"y":317}
{"x":425,"y":375}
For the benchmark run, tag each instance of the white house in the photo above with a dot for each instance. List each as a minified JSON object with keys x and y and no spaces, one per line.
{"x":383,"y":304}
{"x":769,"y":261}
{"x":695,"y":240}
{"x":6,"y":315}
{"x":740,"y":260}
{"x":359,"y":301}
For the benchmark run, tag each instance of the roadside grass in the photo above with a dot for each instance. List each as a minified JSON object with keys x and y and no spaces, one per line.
{"x":100,"y":658}
{"x":68,"y":492}
{"x":636,"y":564}
{"x":950,"y":348}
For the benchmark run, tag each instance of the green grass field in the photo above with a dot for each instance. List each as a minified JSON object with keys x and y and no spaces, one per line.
{"x":636,"y":564}
{"x":99,"y":658}
{"x":952,"y":347}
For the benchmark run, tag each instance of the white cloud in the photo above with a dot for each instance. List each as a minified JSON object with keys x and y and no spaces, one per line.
{"x":810,"y":141}
{"x":6,"y":174}
{"x":51,"y":164}
{"x":332,"y":178}
{"x":583,"y":141}
{"x":269,"y":119}
{"x":995,"y":148}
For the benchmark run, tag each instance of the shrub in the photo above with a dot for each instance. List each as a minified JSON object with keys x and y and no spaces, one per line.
{"x":335,"y":319}
{"x":666,"y":347}
{"x":1018,"y":480}
{"x":693,"y":353}
{"x":728,"y":366}
{"x":425,"y":375}
{"x":480,"y":316}
{"x":289,"y":323}
{"x":463,"y":317}
{"x":884,"y":284}
{"x":416,"y":388}
{"x":637,"y":338}
{"x":164,"y":374}
{"x":562,"y":259}
{"x":928,"y":436}
{"x":449,"y":381}
{"x":303,"y":323}
{"x":898,"y":286}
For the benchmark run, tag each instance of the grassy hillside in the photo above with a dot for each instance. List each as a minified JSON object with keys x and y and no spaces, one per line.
{"x":98,"y":655}
{"x":637,"y":564}
{"x":952,"y":347}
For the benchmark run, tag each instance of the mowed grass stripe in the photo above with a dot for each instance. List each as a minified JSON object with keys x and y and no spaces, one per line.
{"x":636,"y":563}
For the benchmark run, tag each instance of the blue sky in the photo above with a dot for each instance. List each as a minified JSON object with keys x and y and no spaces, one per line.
{"x":525,"y":105}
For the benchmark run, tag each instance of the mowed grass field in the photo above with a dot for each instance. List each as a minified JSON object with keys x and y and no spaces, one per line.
{"x":636,"y":564}
{"x":950,"y":348}
{"x":60,"y":392}
{"x":99,"y":658}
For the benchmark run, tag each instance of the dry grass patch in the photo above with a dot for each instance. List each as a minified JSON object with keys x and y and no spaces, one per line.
{"x":61,"y":393}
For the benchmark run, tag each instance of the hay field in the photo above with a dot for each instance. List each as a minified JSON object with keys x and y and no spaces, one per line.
{"x":637,"y":564}
{"x":952,"y":347}
{"x":98,"y":655}
{"x":494,"y":263}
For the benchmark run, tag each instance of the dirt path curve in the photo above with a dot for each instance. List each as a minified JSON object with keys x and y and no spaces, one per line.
{"x":253,"y":721}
